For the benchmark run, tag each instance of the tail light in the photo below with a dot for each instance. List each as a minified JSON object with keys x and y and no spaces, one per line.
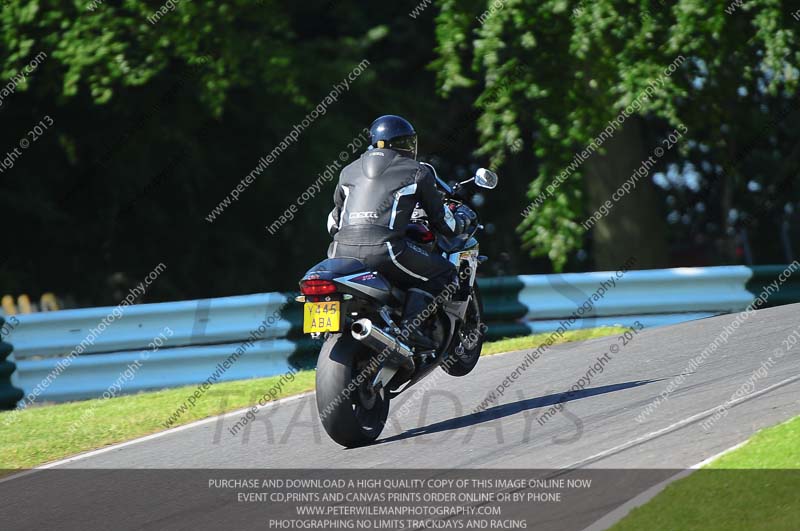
{"x":317,"y":287}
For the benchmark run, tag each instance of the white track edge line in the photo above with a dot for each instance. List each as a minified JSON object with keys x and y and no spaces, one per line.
{"x":681,"y":423}
{"x":169,"y":431}
{"x":637,"y":501}
{"x":152,"y":436}
{"x":620,"y":512}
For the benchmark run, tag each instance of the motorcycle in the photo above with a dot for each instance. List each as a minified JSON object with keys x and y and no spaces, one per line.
{"x":365,"y":362}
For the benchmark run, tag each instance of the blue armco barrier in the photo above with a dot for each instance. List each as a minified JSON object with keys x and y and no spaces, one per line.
{"x":653,"y":297}
{"x":202,"y":334}
{"x":200,"y":322}
{"x":206,"y":332}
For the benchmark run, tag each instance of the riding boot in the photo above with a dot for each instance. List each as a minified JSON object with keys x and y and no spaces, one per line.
{"x":412,"y":322}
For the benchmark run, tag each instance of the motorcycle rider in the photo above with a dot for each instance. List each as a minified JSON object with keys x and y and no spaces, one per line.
{"x":374,"y":200}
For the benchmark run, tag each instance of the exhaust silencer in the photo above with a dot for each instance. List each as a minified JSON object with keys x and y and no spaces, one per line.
{"x":376,"y":339}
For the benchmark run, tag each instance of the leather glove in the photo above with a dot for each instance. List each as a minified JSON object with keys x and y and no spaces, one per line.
{"x":463,"y":221}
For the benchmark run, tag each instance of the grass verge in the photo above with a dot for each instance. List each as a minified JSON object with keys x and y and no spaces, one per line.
{"x":42,"y":434}
{"x":753,"y":488}
{"x":534,"y":341}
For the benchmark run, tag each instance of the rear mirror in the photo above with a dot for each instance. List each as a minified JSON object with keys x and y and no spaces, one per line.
{"x":485,"y":178}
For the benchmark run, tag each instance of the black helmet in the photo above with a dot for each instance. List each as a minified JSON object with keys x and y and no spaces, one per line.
{"x":394,"y":132}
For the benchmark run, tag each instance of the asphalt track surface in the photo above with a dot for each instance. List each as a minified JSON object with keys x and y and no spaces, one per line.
{"x":597,"y":432}
{"x":598,"y":426}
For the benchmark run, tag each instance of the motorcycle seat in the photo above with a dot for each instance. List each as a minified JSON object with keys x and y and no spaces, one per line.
{"x":339,"y":266}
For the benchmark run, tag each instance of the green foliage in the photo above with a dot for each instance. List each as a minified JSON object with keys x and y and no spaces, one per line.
{"x":535,"y":341}
{"x":104,"y":45}
{"x":155,"y":123}
{"x":586,"y":61}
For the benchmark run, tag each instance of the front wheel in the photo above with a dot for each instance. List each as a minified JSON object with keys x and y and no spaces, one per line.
{"x":352,"y":413}
{"x":469,"y":340}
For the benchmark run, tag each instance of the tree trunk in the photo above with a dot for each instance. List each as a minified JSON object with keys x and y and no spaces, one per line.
{"x":635,"y":226}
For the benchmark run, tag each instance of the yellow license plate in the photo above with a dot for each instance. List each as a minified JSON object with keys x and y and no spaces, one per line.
{"x":321,"y":317}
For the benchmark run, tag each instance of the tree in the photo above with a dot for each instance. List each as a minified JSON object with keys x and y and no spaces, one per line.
{"x":565,"y":71}
{"x":157,"y":118}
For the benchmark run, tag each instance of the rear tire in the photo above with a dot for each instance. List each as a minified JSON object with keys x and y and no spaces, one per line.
{"x":350,"y":413}
{"x":470,"y":336}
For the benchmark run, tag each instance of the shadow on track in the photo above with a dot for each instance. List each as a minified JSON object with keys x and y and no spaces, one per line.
{"x":506,"y":410}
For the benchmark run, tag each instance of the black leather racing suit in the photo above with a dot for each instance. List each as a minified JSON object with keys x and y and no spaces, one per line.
{"x":374,"y":199}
